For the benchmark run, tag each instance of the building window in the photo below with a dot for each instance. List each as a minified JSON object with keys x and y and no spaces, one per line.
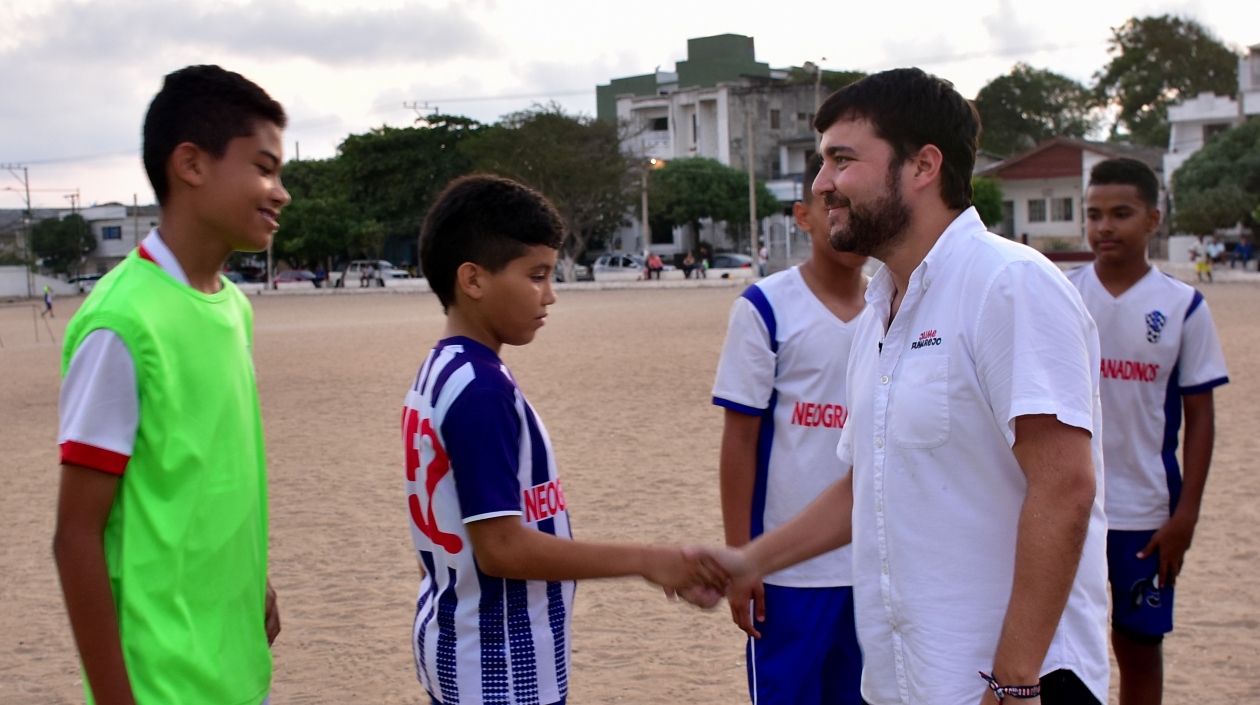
{"x":774,"y":119}
{"x":1061,"y":209}
{"x":662,"y":233}
{"x":111,"y":232}
{"x":802,"y":116}
{"x":695,"y":129}
{"x":1210,"y":131}
{"x":659,"y":124}
{"x":1036,"y":210}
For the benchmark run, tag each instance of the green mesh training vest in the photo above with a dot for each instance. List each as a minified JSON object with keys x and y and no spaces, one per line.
{"x":186,"y":540}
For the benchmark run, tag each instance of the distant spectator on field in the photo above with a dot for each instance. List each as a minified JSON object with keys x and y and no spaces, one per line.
{"x":761,"y":261}
{"x":655,"y":266}
{"x":689,"y":263}
{"x":320,"y":276}
{"x":1215,"y":250}
{"x":1202,"y":263}
{"x":1241,"y":254}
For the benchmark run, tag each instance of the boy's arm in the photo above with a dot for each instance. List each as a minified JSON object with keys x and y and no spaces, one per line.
{"x":738,"y":475}
{"x":1174,"y":537}
{"x":506,"y":548}
{"x":83,"y":507}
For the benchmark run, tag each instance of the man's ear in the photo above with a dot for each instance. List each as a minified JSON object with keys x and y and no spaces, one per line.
{"x":800,"y":212}
{"x":470,"y":279}
{"x":926,"y":166}
{"x":188,"y":163}
{"x":1156,"y":216}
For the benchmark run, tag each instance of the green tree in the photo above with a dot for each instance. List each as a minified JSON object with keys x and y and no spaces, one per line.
{"x":686,"y":191}
{"x":393,"y":174}
{"x":575,"y":161}
{"x":62,"y":243}
{"x":1201,"y":212}
{"x":1155,"y":63}
{"x":987,"y":198}
{"x":1220,"y":184}
{"x":315,"y":230}
{"x":832,"y":81}
{"x":1028,"y":106}
{"x":315,"y":178}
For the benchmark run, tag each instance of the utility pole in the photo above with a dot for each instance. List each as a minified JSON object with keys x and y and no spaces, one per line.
{"x":297,"y":149}
{"x":25,"y":178}
{"x":646,"y":229}
{"x":752,"y":188}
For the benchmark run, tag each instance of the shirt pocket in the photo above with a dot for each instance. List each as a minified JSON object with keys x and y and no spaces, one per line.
{"x":920,"y":403}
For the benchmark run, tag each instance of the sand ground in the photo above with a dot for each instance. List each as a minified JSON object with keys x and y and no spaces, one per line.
{"x":622,"y":380}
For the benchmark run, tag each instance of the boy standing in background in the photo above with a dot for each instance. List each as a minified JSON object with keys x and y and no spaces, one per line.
{"x":1160,"y":356}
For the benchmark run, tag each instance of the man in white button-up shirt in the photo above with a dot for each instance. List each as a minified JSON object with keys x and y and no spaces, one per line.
{"x":975,"y":500}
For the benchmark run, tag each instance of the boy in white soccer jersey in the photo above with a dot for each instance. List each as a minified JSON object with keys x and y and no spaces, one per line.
{"x":488,"y":514}
{"x":1160,"y":356}
{"x":781,"y":380}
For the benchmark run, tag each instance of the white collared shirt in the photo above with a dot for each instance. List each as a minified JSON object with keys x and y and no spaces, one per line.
{"x":988,"y":330}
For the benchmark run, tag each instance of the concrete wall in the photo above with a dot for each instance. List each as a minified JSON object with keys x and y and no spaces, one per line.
{"x":13,"y":284}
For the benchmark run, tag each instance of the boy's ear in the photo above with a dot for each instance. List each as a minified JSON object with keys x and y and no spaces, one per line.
{"x":188,"y":163}
{"x":470,"y":279}
{"x":1156,"y":216}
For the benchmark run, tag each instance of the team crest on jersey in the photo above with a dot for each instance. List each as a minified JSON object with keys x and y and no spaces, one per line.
{"x":1155,"y":322}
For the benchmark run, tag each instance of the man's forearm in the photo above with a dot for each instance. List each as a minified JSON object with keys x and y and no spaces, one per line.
{"x":825,"y":525}
{"x":93,"y":616}
{"x":1052,"y":528}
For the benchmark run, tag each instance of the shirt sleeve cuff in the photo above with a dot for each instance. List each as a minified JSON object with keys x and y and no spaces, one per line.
{"x":493,"y":515}
{"x":1069,"y":417}
{"x":93,"y":458}
{"x":736,"y":406}
{"x":1205,"y":387}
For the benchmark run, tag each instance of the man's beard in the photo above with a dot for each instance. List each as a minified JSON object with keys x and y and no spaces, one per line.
{"x":874,"y":229}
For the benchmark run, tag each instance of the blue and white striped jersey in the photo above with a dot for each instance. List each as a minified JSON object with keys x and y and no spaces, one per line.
{"x":475,"y":450}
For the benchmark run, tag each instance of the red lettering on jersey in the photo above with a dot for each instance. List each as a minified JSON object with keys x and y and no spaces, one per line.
{"x":806,"y":413}
{"x":1129,"y":370}
{"x":414,"y":429}
{"x":543,"y":501}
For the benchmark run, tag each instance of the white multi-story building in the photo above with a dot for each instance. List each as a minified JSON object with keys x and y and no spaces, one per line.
{"x":1193,"y":122}
{"x":117,"y":229}
{"x":704,"y":108}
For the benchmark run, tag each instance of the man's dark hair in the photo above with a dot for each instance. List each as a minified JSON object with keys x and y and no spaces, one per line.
{"x":487,"y":220}
{"x":813,"y":165}
{"x":910,"y":108}
{"x":207,"y":106}
{"x":1128,"y":171}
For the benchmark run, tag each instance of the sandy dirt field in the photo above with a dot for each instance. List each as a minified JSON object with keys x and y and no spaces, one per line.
{"x":622,"y":380}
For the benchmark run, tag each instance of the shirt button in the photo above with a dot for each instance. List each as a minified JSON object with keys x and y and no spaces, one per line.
{"x":926,"y":284}
{"x":883,"y":380}
{"x":879,"y":506}
{"x":879,"y":442}
{"x":885,"y":569}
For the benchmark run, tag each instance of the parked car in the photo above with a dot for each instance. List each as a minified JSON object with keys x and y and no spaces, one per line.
{"x":294,"y":276}
{"x":85,"y":282}
{"x":581,"y":273}
{"x":623,"y":263}
{"x":235,"y":277}
{"x":730,"y":260}
{"x":352,"y":273}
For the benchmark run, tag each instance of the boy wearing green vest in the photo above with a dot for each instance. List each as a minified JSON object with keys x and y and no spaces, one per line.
{"x":161,"y":539}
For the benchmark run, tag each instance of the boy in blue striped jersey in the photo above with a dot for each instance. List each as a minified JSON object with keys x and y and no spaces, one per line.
{"x":488,"y":514}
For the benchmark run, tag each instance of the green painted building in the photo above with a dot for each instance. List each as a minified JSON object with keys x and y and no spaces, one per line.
{"x":710,"y":60}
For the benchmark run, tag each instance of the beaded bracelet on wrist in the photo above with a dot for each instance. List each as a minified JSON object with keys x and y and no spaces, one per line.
{"x":1019,"y":692}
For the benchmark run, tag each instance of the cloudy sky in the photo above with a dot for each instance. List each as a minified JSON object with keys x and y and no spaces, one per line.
{"x":77,"y":75}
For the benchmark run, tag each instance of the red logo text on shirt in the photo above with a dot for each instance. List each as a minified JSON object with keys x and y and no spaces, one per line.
{"x":807,"y":413}
{"x":926,"y":338}
{"x":1128,"y":369}
{"x":416,"y":433}
{"x":543,"y":501}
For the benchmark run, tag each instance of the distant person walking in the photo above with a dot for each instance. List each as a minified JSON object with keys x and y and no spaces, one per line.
{"x":1199,"y":255}
{"x":48,"y":311}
